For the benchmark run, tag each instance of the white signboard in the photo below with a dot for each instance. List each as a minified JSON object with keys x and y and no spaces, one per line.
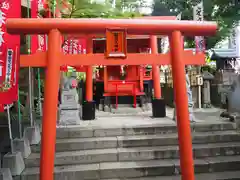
{"x":9,"y":65}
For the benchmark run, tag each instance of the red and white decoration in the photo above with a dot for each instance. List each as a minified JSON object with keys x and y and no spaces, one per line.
{"x":9,"y":53}
{"x":74,"y":46}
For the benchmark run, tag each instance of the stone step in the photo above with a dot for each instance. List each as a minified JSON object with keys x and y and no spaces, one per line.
{"x":227,"y":175}
{"x":95,"y":131}
{"x":139,"y":141}
{"x":133,"y":169}
{"x":135,"y":154}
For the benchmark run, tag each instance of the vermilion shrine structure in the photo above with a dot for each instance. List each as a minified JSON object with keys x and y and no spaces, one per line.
{"x":135,"y":81}
{"x":116,"y":54}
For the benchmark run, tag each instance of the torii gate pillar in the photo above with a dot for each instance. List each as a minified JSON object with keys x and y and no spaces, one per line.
{"x":88,"y":109}
{"x":181,"y":99}
{"x":50,"y":108}
{"x":158,"y":104}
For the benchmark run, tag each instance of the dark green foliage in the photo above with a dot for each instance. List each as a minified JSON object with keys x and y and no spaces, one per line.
{"x":94,"y":9}
{"x":225,"y":12}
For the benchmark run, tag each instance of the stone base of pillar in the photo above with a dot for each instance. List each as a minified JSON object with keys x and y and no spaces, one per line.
{"x":158,"y":108}
{"x":5,"y":174}
{"x":23,"y":146}
{"x":88,"y":110}
{"x":33,"y":135}
{"x":14,"y":161}
{"x":69,"y":114}
{"x":69,"y":109}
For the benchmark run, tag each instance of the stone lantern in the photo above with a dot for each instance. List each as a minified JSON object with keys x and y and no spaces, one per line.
{"x":207,"y":77}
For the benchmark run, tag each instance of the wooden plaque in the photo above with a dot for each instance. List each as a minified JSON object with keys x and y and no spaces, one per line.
{"x":116,"y":43}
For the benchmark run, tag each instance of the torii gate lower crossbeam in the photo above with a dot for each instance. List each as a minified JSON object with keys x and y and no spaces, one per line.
{"x":53,"y":60}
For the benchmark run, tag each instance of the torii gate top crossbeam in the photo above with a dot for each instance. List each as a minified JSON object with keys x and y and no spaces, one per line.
{"x":132,"y":26}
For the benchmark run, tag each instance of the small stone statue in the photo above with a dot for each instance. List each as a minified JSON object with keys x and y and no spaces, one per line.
{"x":70,"y":111}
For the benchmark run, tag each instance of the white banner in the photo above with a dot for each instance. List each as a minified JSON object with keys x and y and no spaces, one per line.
{"x":198,"y":16}
{"x":238,"y":41}
{"x":232,"y":39}
{"x":198,"y":12}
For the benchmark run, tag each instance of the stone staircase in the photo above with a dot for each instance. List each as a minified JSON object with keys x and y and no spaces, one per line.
{"x":145,"y":152}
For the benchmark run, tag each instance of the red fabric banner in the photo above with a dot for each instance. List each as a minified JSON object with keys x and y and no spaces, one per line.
{"x":9,"y":53}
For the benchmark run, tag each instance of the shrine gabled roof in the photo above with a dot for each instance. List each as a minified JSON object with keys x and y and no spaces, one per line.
{"x":223,"y":54}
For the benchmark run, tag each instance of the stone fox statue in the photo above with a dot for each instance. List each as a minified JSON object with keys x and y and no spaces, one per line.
{"x":190,"y":101}
{"x":69,"y":82}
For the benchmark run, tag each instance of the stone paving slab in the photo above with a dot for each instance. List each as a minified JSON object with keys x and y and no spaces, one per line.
{"x":136,"y":169}
{"x":130,"y":121}
{"x":138,"y":117}
{"x":140,"y":129}
{"x":74,"y":172}
{"x":140,"y":140}
{"x":129,"y":116}
{"x":200,"y":166}
{"x":130,"y":169}
{"x":136,"y":154}
{"x":77,"y":157}
{"x":231,"y":175}
{"x":88,"y":143}
{"x":217,"y":164}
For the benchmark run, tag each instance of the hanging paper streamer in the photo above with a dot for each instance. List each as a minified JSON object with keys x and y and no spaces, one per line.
{"x":9,"y":53}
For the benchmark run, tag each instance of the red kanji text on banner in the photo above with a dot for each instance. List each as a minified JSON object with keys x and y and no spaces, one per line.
{"x":9,"y":53}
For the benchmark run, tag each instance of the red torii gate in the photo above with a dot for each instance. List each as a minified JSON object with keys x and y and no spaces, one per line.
{"x":54,"y":58}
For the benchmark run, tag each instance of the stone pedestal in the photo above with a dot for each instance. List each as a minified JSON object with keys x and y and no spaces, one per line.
{"x":5,"y":174}
{"x":207,"y":77}
{"x":14,"y":161}
{"x":32,"y":134}
{"x":206,"y":94}
{"x":69,"y":110}
{"x":23,"y":146}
